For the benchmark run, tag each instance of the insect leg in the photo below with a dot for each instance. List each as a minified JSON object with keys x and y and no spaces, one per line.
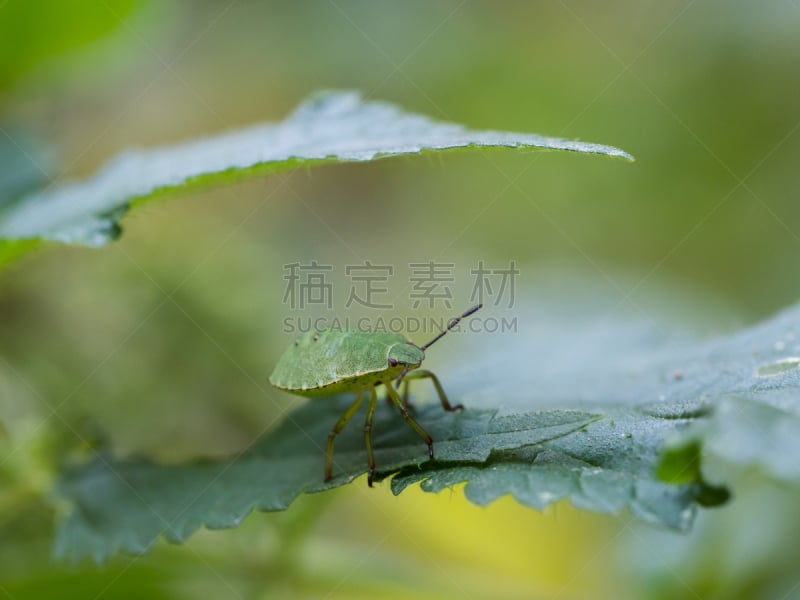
{"x":406,"y":401}
{"x":409,"y":419}
{"x":336,"y":430}
{"x":425,"y":374}
{"x":373,"y":401}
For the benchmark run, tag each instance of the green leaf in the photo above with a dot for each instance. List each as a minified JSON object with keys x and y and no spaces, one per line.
{"x":125,"y":505}
{"x":27,"y":40}
{"x":23,"y":161}
{"x":11,"y":250}
{"x":760,"y":429}
{"x":329,"y":127}
{"x":606,"y":467}
{"x":572,"y":406}
{"x":756,"y":421}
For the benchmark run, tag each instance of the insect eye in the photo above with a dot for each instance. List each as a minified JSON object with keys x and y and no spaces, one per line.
{"x":392,"y":362}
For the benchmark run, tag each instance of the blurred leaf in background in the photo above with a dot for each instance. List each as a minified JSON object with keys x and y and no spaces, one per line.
{"x":37,"y":32}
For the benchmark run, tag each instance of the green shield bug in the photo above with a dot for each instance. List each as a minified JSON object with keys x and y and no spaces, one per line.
{"x":331,"y":362}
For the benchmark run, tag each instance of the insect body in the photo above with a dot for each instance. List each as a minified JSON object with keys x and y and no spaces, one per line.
{"x":332,"y":362}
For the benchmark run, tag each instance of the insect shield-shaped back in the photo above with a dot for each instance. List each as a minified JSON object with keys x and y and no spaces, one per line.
{"x":331,"y":362}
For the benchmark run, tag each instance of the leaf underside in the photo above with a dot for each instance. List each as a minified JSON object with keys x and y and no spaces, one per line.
{"x":605,"y":454}
{"x":329,"y":127}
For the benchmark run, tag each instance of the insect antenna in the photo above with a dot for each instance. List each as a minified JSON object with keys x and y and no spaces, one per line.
{"x":453,"y":322}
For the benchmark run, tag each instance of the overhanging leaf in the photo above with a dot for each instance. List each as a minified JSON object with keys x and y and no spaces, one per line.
{"x":329,"y":127}
{"x":23,"y":164}
{"x":23,"y":161}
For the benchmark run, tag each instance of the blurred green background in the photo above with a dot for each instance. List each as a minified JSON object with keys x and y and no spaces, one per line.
{"x":161,"y":344}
